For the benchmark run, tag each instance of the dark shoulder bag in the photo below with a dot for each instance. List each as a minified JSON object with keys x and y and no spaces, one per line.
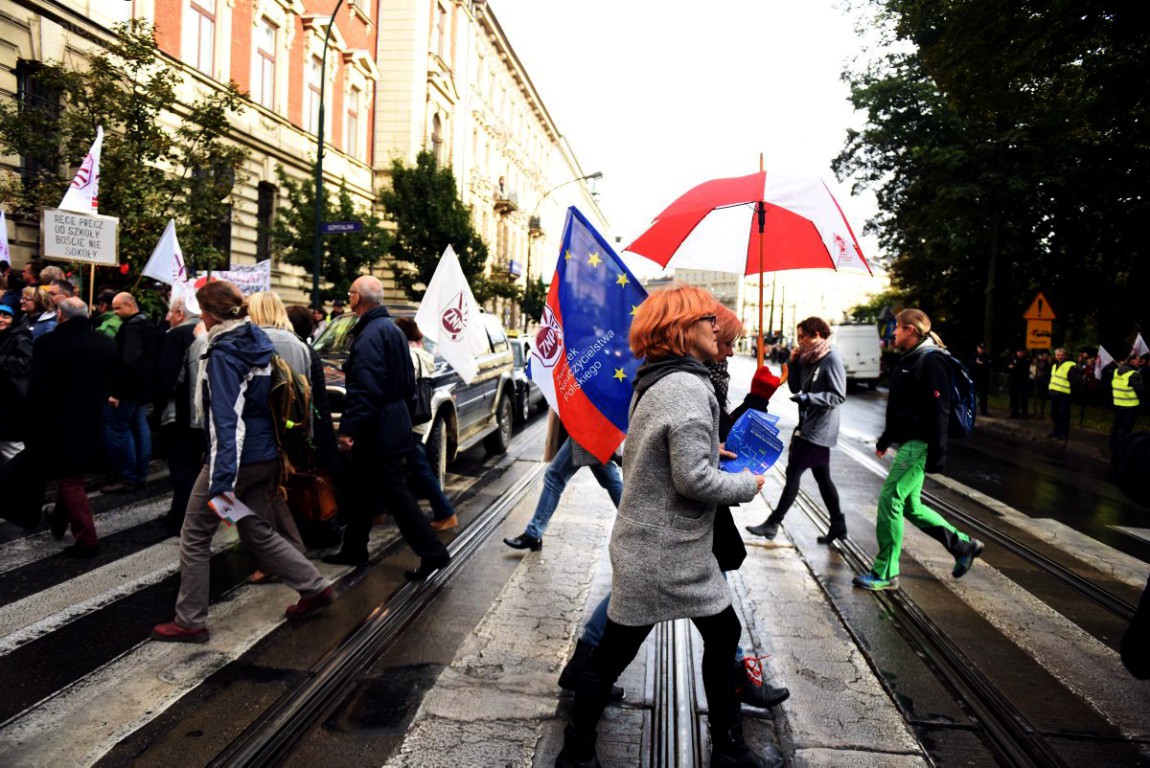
{"x":420,"y":404}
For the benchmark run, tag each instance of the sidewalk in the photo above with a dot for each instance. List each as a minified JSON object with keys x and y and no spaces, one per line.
{"x":1083,"y":441}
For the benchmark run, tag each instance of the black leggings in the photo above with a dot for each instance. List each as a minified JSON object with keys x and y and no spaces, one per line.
{"x":621,"y":643}
{"x":827,"y":489}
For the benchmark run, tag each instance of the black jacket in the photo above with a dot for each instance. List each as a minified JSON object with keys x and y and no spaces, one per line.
{"x":918,"y":407}
{"x":15,"y":370}
{"x":380,"y":380}
{"x":137,"y":346}
{"x":71,"y":367}
{"x":173,"y":350}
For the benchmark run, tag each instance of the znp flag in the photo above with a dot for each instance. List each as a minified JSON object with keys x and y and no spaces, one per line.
{"x":166,"y":263}
{"x":1102,"y":360}
{"x":1140,"y":347}
{"x":582,"y":357}
{"x":450,"y":317}
{"x":84,"y":192}
{"x":5,"y":254}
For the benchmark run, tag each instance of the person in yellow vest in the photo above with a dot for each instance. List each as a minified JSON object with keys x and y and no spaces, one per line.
{"x":1129,"y":392}
{"x":1063,"y":374}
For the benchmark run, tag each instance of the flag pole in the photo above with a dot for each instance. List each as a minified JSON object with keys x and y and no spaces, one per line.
{"x":91,"y":287}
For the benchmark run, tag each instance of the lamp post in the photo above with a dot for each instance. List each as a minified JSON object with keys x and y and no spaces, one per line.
{"x":317,"y":239}
{"x":534,"y":214}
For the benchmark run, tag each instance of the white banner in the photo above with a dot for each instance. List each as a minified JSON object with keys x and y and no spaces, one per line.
{"x":5,"y":254}
{"x":249,"y":279}
{"x":449,"y":316}
{"x":71,"y":236}
{"x":83,"y":195}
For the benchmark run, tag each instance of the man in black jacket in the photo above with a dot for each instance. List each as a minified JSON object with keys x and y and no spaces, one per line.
{"x":183,"y":443}
{"x":375,"y":434}
{"x":126,"y":432}
{"x":917,"y":417}
{"x":72,"y":366}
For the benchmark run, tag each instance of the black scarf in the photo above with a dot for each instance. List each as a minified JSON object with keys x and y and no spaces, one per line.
{"x":652,"y":371}
{"x":720,"y":379}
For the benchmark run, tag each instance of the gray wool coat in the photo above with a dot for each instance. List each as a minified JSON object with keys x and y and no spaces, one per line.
{"x":661,"y":546}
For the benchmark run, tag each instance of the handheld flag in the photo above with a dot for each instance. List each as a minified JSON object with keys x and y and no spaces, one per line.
{"x":581,"y":358}
{"x":166,"y":263}
{"x":1102,"y":360}
{"x":449,"y":316}
{"x":84,"y":192}
{"x":5,"y":254}
{"x":1140,"y":347}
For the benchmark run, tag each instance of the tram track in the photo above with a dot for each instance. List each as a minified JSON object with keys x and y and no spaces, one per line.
{"x":989,"y":533}
{"x":271,"y":737}
{"x":1014,"y":740}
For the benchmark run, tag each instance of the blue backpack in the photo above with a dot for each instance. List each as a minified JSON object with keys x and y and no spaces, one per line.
{"x":962,"y":396}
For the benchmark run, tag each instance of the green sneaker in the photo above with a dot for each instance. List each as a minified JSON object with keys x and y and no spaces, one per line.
{"x":874,"y":583}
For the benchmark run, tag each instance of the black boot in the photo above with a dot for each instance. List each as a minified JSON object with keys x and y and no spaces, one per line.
{"x":756,"y":692}
{"x":525,"y":541}
{"x":766,"y":529}
{"x":730,"y":750}
{"x":573,"y":671}
{"x":837,"y":530}
{"x":578,"y":751}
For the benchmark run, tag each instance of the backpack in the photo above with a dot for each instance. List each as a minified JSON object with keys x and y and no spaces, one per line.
{"x":291,"y":414}
{"x":962,"y":397}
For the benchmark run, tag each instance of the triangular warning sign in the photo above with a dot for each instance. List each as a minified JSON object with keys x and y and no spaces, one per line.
{"x":1039,"y":309}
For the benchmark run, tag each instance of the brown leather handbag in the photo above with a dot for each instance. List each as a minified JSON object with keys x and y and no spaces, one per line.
{"x":311,"y":495}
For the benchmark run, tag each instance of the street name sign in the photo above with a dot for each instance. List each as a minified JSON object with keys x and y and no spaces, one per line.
{"x":340,"y":227}
{"x":85,"y":237}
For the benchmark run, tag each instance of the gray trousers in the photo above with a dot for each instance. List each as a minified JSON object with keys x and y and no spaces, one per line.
{"x":254,"y":483}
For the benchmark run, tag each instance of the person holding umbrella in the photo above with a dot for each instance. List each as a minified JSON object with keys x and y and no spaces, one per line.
{"x":660,"y":548}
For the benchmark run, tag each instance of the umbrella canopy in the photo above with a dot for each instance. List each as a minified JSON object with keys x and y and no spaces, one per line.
{"x":753,"y":224}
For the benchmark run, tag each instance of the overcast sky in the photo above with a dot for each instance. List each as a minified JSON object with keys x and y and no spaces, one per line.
{"x":661,"y":95}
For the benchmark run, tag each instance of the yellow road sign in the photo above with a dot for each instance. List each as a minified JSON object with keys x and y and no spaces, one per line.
{"x":1039,"y":310}
{"x":1038,"y":334}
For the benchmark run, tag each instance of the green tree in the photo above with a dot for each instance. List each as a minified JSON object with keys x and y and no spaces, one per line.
{"x":429,"y":215}
{"x":533,"y":300}
{"x":345,"y":256}
{"x":148,"y":171}
{"x":1006,"y":147}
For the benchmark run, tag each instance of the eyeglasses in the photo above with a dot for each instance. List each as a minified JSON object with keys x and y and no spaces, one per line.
{"x":712,"y":319}
{"x":352,"y":293}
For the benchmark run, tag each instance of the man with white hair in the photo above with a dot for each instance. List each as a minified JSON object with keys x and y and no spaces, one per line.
{"x":71,"y":365}
{"x":375,"y":432}
{"x":182,"y":440}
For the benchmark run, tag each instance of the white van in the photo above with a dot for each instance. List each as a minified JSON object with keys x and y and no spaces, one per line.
{"x":861,"y":352}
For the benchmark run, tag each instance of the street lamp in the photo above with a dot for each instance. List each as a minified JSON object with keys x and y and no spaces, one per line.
{"x":317,"y":239}
{"x":534,"y":215}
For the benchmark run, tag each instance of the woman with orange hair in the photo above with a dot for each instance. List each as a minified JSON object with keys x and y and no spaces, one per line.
{"x":660,"y":549}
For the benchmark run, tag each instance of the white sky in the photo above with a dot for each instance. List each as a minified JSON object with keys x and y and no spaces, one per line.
{"x":662,"y":95}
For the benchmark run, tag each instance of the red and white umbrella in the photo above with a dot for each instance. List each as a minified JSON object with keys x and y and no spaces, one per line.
{"x":753,"y":224}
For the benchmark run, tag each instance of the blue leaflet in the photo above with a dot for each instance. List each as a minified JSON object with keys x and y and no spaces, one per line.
{"x":754,"y":439}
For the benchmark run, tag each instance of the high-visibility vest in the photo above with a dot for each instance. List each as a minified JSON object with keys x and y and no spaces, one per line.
{"x":1124,"y":394}
{"x":1060,"y":377}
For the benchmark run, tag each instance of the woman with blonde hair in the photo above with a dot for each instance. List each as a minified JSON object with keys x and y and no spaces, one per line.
{"x":917,"y":419}
{"x":660,"y":549}
{"x":233,"y":393}
{"x":39,"y":315}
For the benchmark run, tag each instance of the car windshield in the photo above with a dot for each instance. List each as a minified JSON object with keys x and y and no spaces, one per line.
{"x":335,"y":341}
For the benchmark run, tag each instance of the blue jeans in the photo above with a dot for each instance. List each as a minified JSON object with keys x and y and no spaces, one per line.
{"x":555,"y":480}
{"x":425,"y":484}
{"x":128,"y":440}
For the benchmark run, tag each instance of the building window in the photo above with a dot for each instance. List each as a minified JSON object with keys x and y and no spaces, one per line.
{"x":312,"y":95}
{"x":351,"y":143}
{"x":437,"y":140}
{"x":264,"y":78}
{"x":203,"y":20}
{"x":33,"y":96}
{"x":265,"y":218}
{"x":441,"y":31}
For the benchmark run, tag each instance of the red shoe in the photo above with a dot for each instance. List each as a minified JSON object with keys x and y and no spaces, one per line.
{"x":310,"y":606}
{"x":177,"y":633}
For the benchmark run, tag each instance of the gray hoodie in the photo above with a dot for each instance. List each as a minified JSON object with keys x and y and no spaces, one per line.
{"x":819,"y":390}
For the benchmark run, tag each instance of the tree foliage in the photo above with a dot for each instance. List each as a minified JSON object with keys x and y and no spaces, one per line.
{"x":149,"y":172}
{"x":344,"y":257}
{"x":429,"y":215}
{"x":1007,"y":147}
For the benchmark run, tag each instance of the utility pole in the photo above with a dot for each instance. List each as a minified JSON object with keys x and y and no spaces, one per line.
{"x":317,"y":239}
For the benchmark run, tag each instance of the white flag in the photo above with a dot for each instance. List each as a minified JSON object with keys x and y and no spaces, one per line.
{"x":166,"y":263}
{"x":84,"y":193}
{"x":449,"y":316}
{"x":1140,"y":347}
{"x":5,"y":254}
{"x":1101,"y":361}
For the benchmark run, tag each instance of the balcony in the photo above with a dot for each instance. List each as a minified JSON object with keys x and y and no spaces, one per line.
{"x":535,"y":227}
{"x":506,"y":202}
{"x":510,"y":270}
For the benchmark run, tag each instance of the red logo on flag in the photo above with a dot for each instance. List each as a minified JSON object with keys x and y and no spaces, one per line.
{"x":84,"y":175}
{"x":454,"y":317}
{"x":549,"y":339}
